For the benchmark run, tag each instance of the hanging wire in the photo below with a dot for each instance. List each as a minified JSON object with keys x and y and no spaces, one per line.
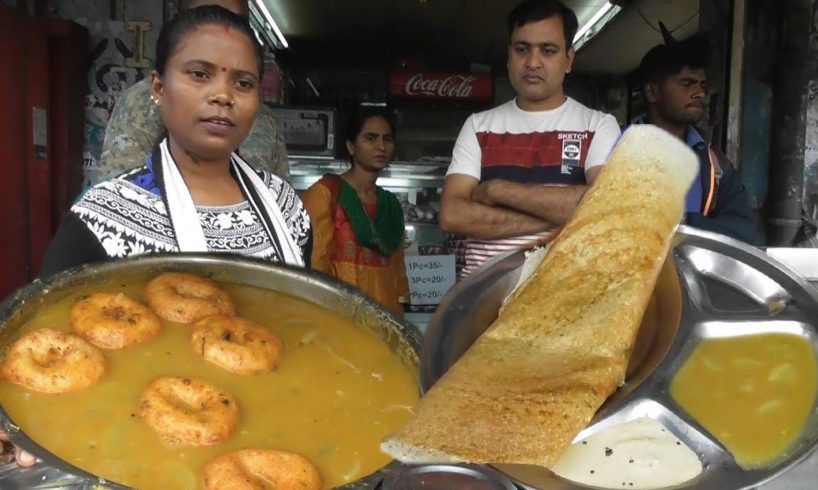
{"x":650,"y":24}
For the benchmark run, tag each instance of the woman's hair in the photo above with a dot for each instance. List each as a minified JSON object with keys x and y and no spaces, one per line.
{"x":187,"y":20}
{"x":356,"y":121}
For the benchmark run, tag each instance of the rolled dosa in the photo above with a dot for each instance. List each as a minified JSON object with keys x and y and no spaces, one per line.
{"x":561,"y":344}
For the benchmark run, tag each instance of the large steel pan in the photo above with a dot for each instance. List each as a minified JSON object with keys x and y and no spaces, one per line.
{"x":710,"y":286}
{"x":402,"y":338}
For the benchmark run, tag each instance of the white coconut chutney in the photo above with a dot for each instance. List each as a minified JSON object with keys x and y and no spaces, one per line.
{"x":640,"y":454}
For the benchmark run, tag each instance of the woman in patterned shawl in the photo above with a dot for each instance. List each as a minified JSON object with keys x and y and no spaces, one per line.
{"x":358,"y":225}
{"x":194,"y":194}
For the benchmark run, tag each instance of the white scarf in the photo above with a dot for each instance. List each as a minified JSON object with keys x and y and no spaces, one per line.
{"x":185,"y":219}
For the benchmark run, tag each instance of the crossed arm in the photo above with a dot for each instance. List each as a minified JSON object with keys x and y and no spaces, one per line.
{"x":502,"y":209}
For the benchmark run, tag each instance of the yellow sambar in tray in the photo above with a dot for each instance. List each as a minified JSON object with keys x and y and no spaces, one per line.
{"x":337,"y":391}
{"x":753,"y":393}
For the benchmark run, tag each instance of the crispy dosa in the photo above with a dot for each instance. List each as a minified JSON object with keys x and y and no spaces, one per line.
{"x":561,"y":344}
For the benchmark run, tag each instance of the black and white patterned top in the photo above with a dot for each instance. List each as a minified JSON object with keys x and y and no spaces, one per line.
{"x":127,"y":216}
{"x":235,"y":229}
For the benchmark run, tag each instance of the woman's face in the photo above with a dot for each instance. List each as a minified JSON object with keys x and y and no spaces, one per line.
{"x":209,"y":93}
{"x":374,"y":146}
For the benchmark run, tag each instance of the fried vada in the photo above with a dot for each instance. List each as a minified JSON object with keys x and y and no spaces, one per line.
{"x":113,"y":321}
{"x":236,"y":344}
{"x":258,"y":469}
{"x":185,"y":298}
{"x":189,"y":411}
{"x":50,"y":361}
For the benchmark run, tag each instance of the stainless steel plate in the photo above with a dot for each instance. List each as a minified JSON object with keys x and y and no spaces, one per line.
{"x":710,"y":286}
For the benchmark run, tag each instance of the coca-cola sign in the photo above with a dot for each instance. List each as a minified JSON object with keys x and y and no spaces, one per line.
{"x":449,"y":86}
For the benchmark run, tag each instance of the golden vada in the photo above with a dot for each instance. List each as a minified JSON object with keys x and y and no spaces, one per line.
{"x":236,"y":344}
{"x":185,"y":298}
{"x":260,"y":469}
{"x":113,"y":321}
{"x":50,"y":361}
{"x":189,"y":411}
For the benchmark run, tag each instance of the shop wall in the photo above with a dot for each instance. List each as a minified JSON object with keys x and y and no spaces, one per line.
{"x":123,"y":36}
{"x":715,"y":25}
{"x":811,"y":152}
{"x":810,"y":184}
{"x":758,"y":80}
{"x":793,"y":149}
{"x":810,"y":191}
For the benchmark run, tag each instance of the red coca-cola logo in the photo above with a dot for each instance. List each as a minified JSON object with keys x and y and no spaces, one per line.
{"x":456,"y":86}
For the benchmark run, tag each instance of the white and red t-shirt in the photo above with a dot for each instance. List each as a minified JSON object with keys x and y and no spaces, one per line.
{"x":555,"y":147}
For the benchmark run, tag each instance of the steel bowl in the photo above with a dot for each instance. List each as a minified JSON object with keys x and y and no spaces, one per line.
{"x":710,"y":286}
{"x":402,"y":338}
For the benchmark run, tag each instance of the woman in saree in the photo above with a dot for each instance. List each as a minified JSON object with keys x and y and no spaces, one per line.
{"x":358,"y":226}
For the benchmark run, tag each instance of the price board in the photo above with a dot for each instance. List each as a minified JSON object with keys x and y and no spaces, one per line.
{"x":430,"y":277}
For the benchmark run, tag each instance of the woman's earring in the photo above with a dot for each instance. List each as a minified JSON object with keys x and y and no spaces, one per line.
{"x":155,"y":100}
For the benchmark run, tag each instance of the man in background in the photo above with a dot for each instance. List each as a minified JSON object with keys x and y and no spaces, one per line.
{"x":674,"y":82}
{"x":519,"y":170}
{"x":135,"y":126}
